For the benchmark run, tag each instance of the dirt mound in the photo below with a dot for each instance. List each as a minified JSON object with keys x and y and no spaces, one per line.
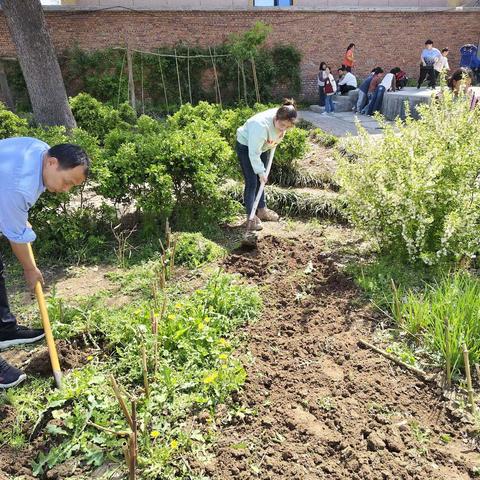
{"x":70,"y":354}
{"x":326,"y":409}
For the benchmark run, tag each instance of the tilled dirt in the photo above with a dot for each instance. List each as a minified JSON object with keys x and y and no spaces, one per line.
{"x":322,"y":407}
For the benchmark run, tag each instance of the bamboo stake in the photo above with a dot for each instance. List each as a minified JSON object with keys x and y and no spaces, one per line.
{"x":154,"y":320}
{"x":188,"y":72}
{"x":133,"y":443}
{"x":469,"y":379}
{"x":216,"y":76}
{"x":141,"y":70}
{"x":178,"y":78}
{"x":416,"y":371}
{"x":448,"y":366}
{"x":167,"y":234}
{"x":172,"y":255}
{"x":238,"y":82}
{"x":218,"y":96}
{"x":145,"y":371}
{"x":477,"y":369}
{"x":120,"y":79}
{"x":121,"y":401}
{"x":244,"y":83}
{"x":255,"y":79}
{"x":131,"y":84}
{"x":164,"y":86}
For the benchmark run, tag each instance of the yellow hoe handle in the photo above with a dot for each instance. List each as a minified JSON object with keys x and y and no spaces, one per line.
{"x":52,"y":349}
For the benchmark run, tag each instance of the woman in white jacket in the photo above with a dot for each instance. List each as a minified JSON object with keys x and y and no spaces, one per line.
{"x":321,"y":83}
{"x":329,"y":88}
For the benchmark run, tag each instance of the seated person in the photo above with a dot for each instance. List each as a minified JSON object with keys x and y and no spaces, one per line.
{"x":377,"y":78}
{"x":401,"y":78}
{"x":387,"y":84}
{"x":346,"y":81}
{"x":363,"y":90}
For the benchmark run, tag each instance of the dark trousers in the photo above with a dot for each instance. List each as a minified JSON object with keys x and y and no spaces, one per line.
{"x":427,"y":71}
{"x":344,"y":89}
{"x":6,"y":318}
{"x":252,"y":182}
{"x":321,"y":96}
{"x":375,"y":104}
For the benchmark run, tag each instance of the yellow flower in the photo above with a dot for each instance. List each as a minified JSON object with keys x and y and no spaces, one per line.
{"x":206,"y":319}
{"x":173,"y":444}
{"x":90,"y":358}
{"x":223,"y":356}
{"x":171,"y":317}
{"x":223,"y":342}
{"x":210,"y":378}
{"x":200,"y":327}
{"x":154,"y":433}
{"x":178,"y":305}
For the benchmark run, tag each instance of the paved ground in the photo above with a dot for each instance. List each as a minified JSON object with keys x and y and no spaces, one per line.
{"x":342,"y":123}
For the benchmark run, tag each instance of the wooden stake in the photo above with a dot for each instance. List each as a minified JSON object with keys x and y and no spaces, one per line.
{"x":143,"y":96}
{"x":131,"y":84}
{"x":163,"y":83}
{"x":120,"y":79}
{"x":255,"y":79}
{"x":466,"y":361}
{"x":154,"y":320}
{"x":416,"y":371}
{"x":448,"y":366}
{"x":178,"y":78}
{"x":188,"y":72}
{"x":172,"y":255}
{"x":133,"y":443}
{"x":218,"y":95}
{"x":145,"y":371}
{"x":121,"y":401}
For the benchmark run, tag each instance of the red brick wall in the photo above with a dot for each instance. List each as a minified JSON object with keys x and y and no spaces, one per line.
{"x":383,"y":38}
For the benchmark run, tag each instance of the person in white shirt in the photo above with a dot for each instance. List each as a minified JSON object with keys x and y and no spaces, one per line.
{"x":442,"y":66}
{"x":388,"y":83}
{"x":346,"y":81}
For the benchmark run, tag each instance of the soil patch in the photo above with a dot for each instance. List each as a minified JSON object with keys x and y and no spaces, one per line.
{"x":325,"y":408}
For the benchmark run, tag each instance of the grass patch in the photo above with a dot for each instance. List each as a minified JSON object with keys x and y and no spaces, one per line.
{"x":297,"y":203}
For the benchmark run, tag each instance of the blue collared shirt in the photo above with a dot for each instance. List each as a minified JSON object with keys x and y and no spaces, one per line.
{"x":21,"y":183}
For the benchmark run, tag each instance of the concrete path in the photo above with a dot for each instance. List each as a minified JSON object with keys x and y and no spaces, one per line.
{"x":342,"y":123}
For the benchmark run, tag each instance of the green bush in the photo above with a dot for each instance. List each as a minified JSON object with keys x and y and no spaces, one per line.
{"x":193,"y":250}
{"x":323,"y":138}
{"x":11,"y":125}
{"x":417,"y":189}
{"x":97,"y":118}
{"x":293,"y":146}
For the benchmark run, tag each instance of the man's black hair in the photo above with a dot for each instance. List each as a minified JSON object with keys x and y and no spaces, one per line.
{"x":429,"y":42}
{"x":70,"y":156}
{"x":342,"y":69}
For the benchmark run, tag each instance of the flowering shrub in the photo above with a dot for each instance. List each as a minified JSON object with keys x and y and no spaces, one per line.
{"x":417,"y":190}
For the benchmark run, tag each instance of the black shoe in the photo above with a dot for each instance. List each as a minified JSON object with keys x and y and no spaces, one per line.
{"x":10,"y":376}
{"x":17,"y":335}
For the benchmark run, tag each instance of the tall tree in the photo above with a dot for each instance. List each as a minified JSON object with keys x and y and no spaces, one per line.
{"x":39,"y":63}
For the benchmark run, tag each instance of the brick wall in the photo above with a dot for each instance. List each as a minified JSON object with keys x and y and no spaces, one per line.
{"x":383,"y":38}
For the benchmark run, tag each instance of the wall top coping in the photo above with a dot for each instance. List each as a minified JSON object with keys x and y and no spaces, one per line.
{"x":73,"y":8}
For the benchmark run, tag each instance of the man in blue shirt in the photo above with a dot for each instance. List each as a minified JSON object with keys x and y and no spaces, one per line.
{"x":28,"y":167}
{"x":428,"y":59}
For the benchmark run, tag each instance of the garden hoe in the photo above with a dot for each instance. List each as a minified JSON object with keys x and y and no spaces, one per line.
{"x":250,"y":238}
{"x":52,"y":349}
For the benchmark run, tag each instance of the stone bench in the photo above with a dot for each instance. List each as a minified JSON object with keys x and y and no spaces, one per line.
{"x":342,"y":103}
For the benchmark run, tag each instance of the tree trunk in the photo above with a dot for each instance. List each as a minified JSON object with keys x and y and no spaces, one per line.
{"x":5,"y":89}
{"x":38,"y":61}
